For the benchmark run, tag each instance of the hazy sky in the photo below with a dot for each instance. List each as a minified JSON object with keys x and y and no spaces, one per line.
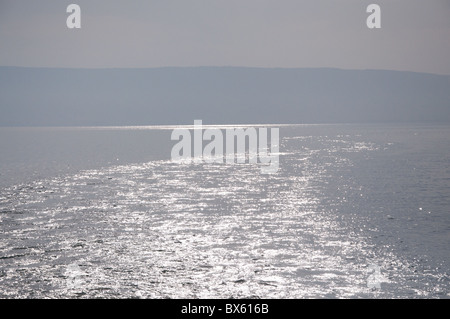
{"x":415,"y":34}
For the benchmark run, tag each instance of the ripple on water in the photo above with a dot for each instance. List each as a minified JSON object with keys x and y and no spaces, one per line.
{"x":161,"y":229}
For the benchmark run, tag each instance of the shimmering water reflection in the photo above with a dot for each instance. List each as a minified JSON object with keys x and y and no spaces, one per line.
{"x":163,"y":229}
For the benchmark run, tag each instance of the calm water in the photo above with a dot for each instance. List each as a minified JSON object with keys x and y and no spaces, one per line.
{"x":354,"y":212}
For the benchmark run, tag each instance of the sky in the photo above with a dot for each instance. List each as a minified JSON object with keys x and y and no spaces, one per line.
{"x":414,"y":34}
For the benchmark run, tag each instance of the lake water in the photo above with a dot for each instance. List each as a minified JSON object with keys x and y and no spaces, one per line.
{"x":355,"y":211}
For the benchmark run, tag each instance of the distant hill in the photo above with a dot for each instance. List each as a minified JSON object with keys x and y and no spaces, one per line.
{"x":218,"y":95}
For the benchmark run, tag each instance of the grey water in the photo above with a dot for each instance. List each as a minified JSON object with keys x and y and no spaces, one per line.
{"x":354,"y":211}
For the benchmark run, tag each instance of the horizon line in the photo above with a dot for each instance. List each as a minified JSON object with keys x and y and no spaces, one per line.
{"x":221,"y":126}
{"x":219,"y":67}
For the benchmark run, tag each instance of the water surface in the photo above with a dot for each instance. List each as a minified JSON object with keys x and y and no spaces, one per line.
{"x":92,"y":212}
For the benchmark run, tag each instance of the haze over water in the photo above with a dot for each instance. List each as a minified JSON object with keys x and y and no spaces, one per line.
{"x":104,"y":212}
